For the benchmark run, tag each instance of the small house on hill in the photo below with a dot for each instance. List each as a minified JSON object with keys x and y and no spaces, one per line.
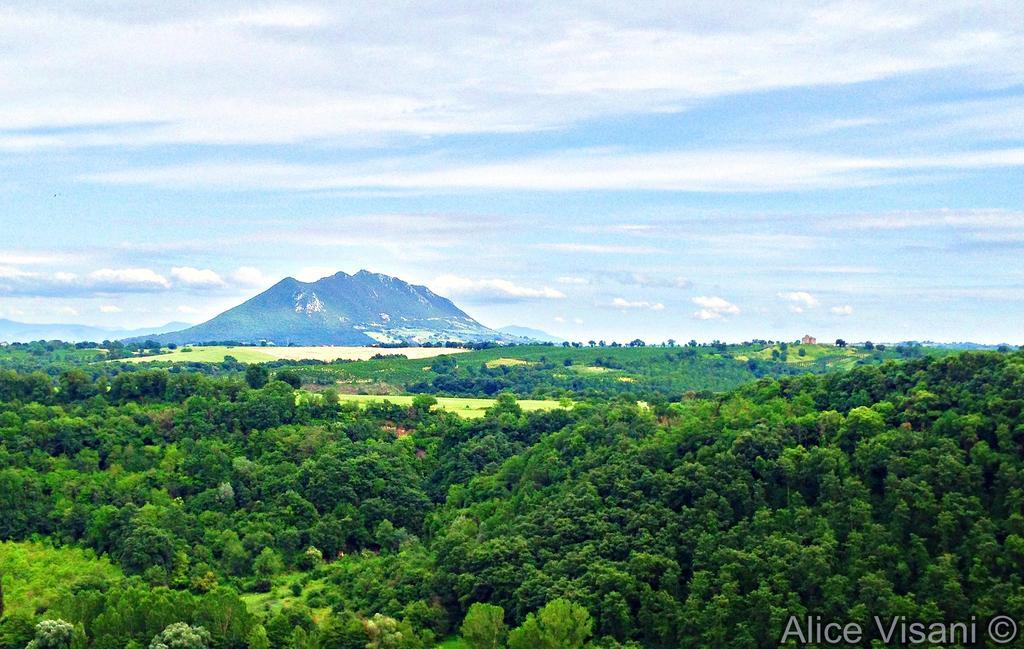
{"x":808,"y":340}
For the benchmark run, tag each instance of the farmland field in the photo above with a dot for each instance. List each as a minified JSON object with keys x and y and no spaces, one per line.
{"x":544,"y":372}
{"x":468,"y":407}
{"x":216,"y":354}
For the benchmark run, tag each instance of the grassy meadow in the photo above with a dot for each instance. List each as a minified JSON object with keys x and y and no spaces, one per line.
{"x":468,"y":407}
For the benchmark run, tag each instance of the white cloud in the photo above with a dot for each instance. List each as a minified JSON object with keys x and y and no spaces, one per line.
{"x":294,"y":17}
{"x":314,"y":273}
{"x":713,"y":307}
{"x":832,"y":270}
{"x":67,"y":310}
{"x":576,"y":170}
{"x":206,"y":72}
{"x":559,"y":319}
{"x":575,"y":281}
{"x":198,"y":277}
{"x":967,"y":219}
{"x":622,"y":303}
{"x":491,"y":289}
{"x":600,"y":249}
{"x":14,"y":281}
{"x":655,"y":281}
{"x":10,"y":272}
{"x":799,"y":301}
{"x":185,"y":308}
{"x":109,"y":308}
{"x":14,"y":258}
{"x":117,"y":279}
{"x":250,"y":277}
{"x":843,"y":310}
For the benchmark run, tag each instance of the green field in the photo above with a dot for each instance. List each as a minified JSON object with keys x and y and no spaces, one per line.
{"x":36,"y":575}
{"x":326,"y":353}
{"x":205,"y":355}
{"x":545,"y":372}
{"x":281,"y":595}
{"x":470,"y":408}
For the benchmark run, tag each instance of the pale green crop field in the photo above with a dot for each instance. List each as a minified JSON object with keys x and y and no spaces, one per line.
{"x":462,"y":406}
{"x":325,"y":353}
{"x":206,"y":355}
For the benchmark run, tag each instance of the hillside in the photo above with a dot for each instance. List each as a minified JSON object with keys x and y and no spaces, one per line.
{"x":529,"y":334}
{"x":891,"y":490}
{"x":20,"y":332}
{"x":540,"y":371}
{"x":362,"y":309}
{"x":887,"y":489}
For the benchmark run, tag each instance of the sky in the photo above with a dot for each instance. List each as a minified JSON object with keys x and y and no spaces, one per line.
{"x":707,"y":170}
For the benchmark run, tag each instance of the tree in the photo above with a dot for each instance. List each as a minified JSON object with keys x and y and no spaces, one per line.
{"x":258,"y":638}
{"x":422,"y":403}
{"x":387,"y":633}
{"x":386,"y":536}
{"x":16,"y":630}
{"x":840,"y":342}
{"x":181,"y":636}
{"x":561,"y":624}
{"x":256,"y":376}
{"x":303,"y":639}
{"x":291,"y":377}
{"x":383,"y":633}
{"x":75,"y":385}
{"x":52,"y":634}
{"x":78,"y":638}
{"x":484,"y":626}
{"x":267,"y":564}
{"x":146,"y":546}
{"x":343,"y":631}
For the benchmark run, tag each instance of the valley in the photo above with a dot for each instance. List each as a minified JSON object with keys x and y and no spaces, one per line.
{"x":515,"y":325}
{"x":260,"y":502}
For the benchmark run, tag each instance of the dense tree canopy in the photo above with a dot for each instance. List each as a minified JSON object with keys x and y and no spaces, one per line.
{"x":243,"y":516}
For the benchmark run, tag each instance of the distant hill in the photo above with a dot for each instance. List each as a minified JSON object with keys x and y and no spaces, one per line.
{"x":529,"y":333}
{"x":361,"y":309}
{"x":964,"y":346}
{"x":23,"y":332}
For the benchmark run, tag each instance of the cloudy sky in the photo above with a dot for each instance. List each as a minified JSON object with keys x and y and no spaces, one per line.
{"x":597,"y":170}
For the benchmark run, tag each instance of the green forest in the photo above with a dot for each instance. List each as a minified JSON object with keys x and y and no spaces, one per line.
{"x":689,"y":496}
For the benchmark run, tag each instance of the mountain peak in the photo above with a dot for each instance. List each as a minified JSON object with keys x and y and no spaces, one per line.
{"x":341,"y":309}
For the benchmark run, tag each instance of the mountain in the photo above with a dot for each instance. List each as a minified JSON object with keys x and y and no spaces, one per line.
{"x":23,"y":332}
{"x":361,"y":309}
{"x":530,"y":334}
{"x":965,"y":345}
